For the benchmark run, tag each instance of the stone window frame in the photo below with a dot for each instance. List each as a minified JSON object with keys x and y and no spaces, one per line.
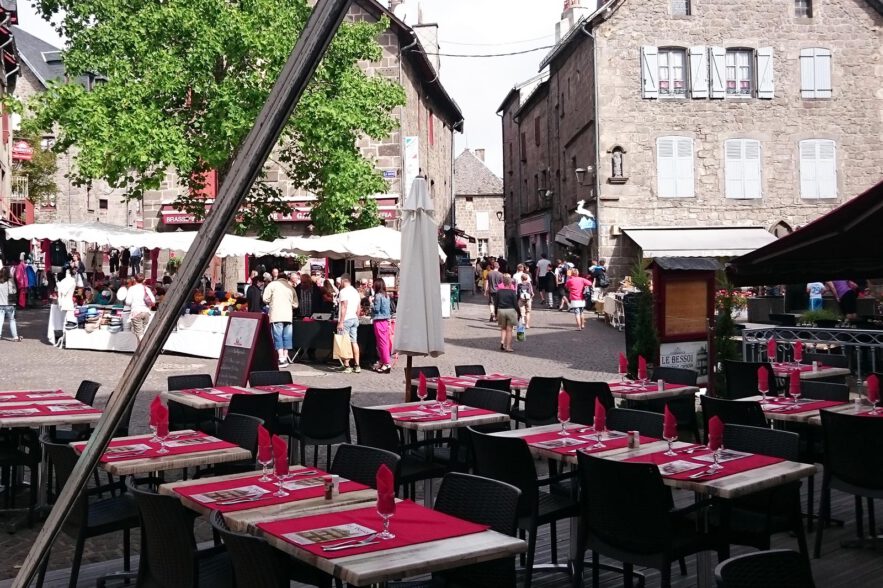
{"x":803,"y":9}
{"x":813,"y":55}
{"x":676,"y":136}
{"x":752,"y":72}
{"x":823,"y":200}
{"x":669,"y":50}
{"x":743,"y":140}
{"x":688,"y":8}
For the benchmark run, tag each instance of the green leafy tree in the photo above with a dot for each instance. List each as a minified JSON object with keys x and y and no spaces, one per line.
{"x":646,"y":339}
{"x":725,"y":345}
{"x":40,"y":171}
{"x":182,"y":84}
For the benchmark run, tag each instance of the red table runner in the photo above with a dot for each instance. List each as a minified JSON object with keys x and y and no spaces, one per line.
{"x":293,"y":390}
{"x":632,"y":387}
{"x":784,"y":369}
{"x":870,"y":413}
{"x":516,"y":381}
{"x":34,"y":395}
{"x":412,"y":524}
{"x":743,"y":464}
{"x":427,"y":414}
{"x":787,"y":406}
{"x":452,"y":381}
{"x":216,"y":393}
{"x":586,"y":438}
{"x":61,"y":409}
{"x":240,"y":501}
{"x":177,"y":444}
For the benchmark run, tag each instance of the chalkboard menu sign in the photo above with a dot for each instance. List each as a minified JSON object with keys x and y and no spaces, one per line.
{"x":248,"y":346}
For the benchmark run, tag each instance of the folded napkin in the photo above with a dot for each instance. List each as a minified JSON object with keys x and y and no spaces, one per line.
{"x":421,"y":386}
{"x":386,"y":491}
{"x":280,"y":455}
{"x":642,"y":368}
{"x":873,"y":389}
{"x":154,"y":406}
{"x":669,"y":424}
{"x":600,"y":416}
{"x":715,"y":433}
{"x":794,"y":383}
{"x":563,"y":406}
{"x":265,"y":446}
{"x":160,"y":417}
{"x":798,"y":351}
{"x":763,"y":379}
{"x":771,"y":350}
{"x":623,"y":363}
{"x":441,"y":391}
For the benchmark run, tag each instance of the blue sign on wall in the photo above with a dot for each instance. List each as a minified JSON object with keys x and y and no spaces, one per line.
{"x":390,"y":173}
{"x":586,"y":224}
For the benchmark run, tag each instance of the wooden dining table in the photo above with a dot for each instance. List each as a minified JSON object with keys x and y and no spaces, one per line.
{"x":780,"y":410}
{"x":783,"y":371}
{"x":428,"y":408}
{"x":217,"y":398}
{"x":632,"y":390}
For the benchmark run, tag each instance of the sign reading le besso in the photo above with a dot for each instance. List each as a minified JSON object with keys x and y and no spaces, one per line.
{"x":691,"y":355}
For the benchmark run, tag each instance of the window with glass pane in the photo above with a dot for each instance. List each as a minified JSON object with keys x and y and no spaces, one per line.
{"x":803,"y":8}
{"x":672,"y":73}
{"x":680,"y":7}
{"x":739,"y":75}
{"x":483,"y":247}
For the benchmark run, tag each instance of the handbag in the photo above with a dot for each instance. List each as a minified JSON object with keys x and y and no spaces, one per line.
{"x":343,"y":348}
{"x":520,"y":331}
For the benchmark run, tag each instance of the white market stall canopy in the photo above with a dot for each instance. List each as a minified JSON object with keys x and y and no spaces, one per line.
{"x":117,"y":236}
{"x":699,"y":241}
{"x":377,"y":243}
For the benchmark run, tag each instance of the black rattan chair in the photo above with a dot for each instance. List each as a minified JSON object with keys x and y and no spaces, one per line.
{"x":830,"y":359}
{"x":169,"y":555}
{"x":89,"y":519}
{"x":469,"y":370}
{"x":645,"y":422}
{"x":261,"y":406}
{"x":270,"y":378}
{"x":324,"y":420}
{"x":241,"y":430}
{"x":731,"y":412}
{"x":824,"y":390}
{"x":86,"y":393}
{"x":540,"y":402}
{"x":428,"y":371}
{"x":741,"y":377}
{"x":627,"y":514}
{"x":376,"y":428}
{"x":582,"y":399}
{"x":853,"y":464}
{"x":359,"y":463}
{"x":488,"y":399}
{"x":683,"y":407}
{"x":508,"y":459}
{"x":256,"y":563}
{"x":780,"y":568}
{"x":185,"y":417}
{"x":504,"y":385}
{"x":19,"y":449}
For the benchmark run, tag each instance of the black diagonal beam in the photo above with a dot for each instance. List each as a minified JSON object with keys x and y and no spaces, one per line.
{"x":293,"y":80}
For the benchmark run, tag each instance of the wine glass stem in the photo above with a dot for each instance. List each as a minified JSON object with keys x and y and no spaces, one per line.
{"x":385,"y":525}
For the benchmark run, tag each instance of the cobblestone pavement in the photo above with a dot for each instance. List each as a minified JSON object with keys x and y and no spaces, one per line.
{"x":553,"y":347}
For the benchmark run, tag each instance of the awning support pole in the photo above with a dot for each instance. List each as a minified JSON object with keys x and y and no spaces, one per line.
{"x":293,"y":80}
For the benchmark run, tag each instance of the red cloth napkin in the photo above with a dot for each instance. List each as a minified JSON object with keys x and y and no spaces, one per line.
{"x":386,"y":491}
{"x":736,"y":466}
{"x":154,"y":406}
{"x":265,"y":445}
{"x":441,"y":391}
{"x":798,"y":351}
{"x":669,"y":424}
{"x":280,"y":455}
{"x":794,"y":383}
{"x":873,"y":389}
{"x":771,"y":350}
{"x":563,"y":406}
{"x":600,"y":416}
{"x":715,"y":433}
{"x":623,"y":363}
{"x":642,"y":368}
{"x":421,"y":386}
{"x":159,"y":415}
{"x":763,"y":379}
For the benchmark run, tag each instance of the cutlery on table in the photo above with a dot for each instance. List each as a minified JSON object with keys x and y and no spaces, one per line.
{"x":701,"y":474}
{"x":304,"y":473}
{"x":250,"y":498}
{"x":369,"y":540}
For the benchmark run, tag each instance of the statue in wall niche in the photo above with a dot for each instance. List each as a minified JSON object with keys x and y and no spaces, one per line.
{"x":617,"y":164}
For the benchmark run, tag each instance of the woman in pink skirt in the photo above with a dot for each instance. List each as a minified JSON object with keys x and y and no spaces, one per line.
{"x":381,"y":314}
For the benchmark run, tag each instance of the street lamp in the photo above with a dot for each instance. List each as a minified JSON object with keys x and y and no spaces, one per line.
{"x":500,"y":215}
{"x":582,"y":172}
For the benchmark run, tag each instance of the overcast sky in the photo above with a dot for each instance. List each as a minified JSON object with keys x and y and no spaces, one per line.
{"x":465,"y":27}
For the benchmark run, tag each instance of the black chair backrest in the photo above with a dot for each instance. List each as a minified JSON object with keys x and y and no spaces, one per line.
{"x":582,"y":399}
{"x":87,"y":391}
{"x":507,"y":459}
{"x":495,"y":400}
{"x":255,"y":562}
{"x":541,"y":399}
{"x":469,"y":370}
{"x":763,"y":441}
{"x":325,"y":413}
{"x":485,"y":502}
{"x":64,"y":459}
{"x":824,"y":390}
{"x":624,"y":419}
{"x":731,"y":412}
{"x":780,"y":568}
{"x":122,"y":429}
{"x":261,"y":406}
{"x":741,"y":378}
{"x":188,"y":381}
{"x":270,"y":378}
{"x":625,"y":505}
{"x":504,"y":385}
{"x":837,"y":360}
{"x":675,"y":375}
{"x":168,"y":548}
{"x":851,"y":455}
{"x":376,"y":428}
{"x":359,"y":463}
{"x":428,"y":371}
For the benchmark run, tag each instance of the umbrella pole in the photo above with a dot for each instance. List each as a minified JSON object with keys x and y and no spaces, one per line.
{"x":408,"y":365}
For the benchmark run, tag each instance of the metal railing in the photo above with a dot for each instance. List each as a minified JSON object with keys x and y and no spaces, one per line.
{"x":19,"y":188}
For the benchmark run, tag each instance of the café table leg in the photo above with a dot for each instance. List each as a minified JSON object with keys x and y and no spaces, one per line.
{"x":42,"y":473}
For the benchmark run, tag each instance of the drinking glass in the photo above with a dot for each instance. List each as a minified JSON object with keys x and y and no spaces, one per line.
{"x":162,"y":443}
{"x":795,"y":394}
{"x":280,"y":479}
{"x":599,"y":431}
{"x":422,"y":396}
{"x":265,"y":470}
{"x":385,"y":534}
{"x":763,"y":393}
{"x":670,"y":440}
{"x":563,"y":422}
{"x":716,"y":466}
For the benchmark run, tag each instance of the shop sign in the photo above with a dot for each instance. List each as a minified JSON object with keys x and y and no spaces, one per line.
{"x":691,"y":355}
{"x":390,"y":174}
{"x":22,"y":151}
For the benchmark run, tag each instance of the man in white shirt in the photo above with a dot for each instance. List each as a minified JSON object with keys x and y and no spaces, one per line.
{"x":139,"y":300}
{"x":348,"y":320}
{"x":135,"y":260}
{"x":543,"y":267}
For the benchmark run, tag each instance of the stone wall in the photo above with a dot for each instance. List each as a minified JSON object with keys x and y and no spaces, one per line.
{"x":467,"y":207}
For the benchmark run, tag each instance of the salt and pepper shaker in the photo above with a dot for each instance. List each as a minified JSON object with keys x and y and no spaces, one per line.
{"x":328,"y":485}
{"x":660,"y":385}
{"x":815,"y":366}
{"x":455,"y":412}
{"x":634,"y":439}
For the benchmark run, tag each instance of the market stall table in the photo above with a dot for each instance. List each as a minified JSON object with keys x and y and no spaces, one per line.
{"x":412,"y":552}
{"x":632,"y":390}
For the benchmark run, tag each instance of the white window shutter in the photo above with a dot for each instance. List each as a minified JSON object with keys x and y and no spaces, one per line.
{"x":808,"y":183}
{"x":649,"y":71}
{"x":684,"y":167}
{"x":826,"y":169}
{"x":665,"y":166}
{"x":765,"y":87}
{"x":823,"y":73}
{"x":698,"y":72}
{"x":751,"y":163}
{"x":717,"y":71}
{"x":734,"y":169}
{"x":807,"y":73}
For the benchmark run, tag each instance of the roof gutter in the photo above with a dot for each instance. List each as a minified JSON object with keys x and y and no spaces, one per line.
{"x":596,"y":184}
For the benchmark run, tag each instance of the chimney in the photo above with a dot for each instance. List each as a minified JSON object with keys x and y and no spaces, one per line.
{"x":574,"y":10}
{"x":479,"y":153}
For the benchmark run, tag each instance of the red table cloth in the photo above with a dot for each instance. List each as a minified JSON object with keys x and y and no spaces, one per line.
{"x":871,"y":413}
{"x":428,"y":414}
{"x":240,"y":500}
{"x":412,"y":524}
{"x":787,"y":406}
{"x":784,"y":369}
{"x":61,"y":409}
{"x":632,"y":387}
{"x":586,"y":438}
{"x":516,"y":381}
{"x":216,"y":393}
{"x":34,"y":395}
{"x":293,"y":390}
{"x":743,"y":464}
{"x":177,"y":444}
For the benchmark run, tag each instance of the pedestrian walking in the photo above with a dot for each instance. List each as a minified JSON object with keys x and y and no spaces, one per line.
{"x":508,"y":312}
{"x":545,"y":280}
{"x":846,"y":292}
{"x":578,"y":289}
{"x":7,"y":303}
{"x":254,"y":295}
{"x":815,"y":291}
{"x":114,"y":261}
{"x":21,"y":281}
{"x":348,"y":320}
{"x":600,"y":281}
{"x":280,"y":296}
{"x":139,"y":299}
{"x":525,"y":297}
{"x":492,"y":284}
{"x":381,"y":315}
{"x":125,"y":255}
{"x":135,"y":260}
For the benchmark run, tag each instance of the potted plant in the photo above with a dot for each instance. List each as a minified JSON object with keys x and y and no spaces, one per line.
{"x":825,"y":319}
{"x":646,"y":340}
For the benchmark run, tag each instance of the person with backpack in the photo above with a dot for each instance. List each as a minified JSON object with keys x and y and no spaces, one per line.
{"x":600,"y":281}
{"x":525,"y":297}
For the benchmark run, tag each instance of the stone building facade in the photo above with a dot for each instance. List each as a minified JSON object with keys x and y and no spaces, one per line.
{"x":709,"y":114}
{"x":478,"y":202}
